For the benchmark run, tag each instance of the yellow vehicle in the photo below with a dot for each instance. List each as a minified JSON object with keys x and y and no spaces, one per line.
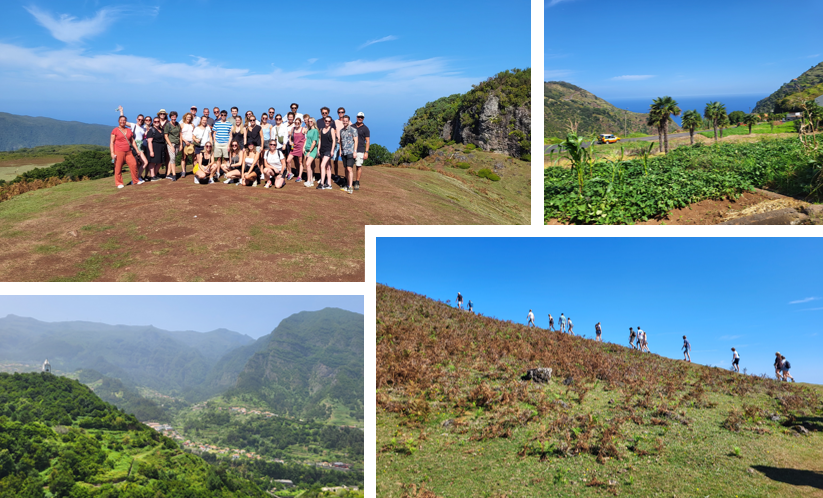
{"x":607,"y":138}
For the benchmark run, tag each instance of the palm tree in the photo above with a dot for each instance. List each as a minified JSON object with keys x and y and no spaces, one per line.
{"x":665,"y":107}
{"x":691,"y":121}
{"x":723,"y":122}
{"x":714,"y":112}
{"x":751,"y":120}
{"x":655,"y":118}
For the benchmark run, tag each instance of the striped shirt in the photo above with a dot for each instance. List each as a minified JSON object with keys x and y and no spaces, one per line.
{"x":222,"y":131}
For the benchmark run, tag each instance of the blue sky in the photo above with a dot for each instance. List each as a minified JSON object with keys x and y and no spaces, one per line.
{"x":648,"y":48}
{"x":199,"y":313}
{"x":79,"y":60}
{"x":759,"y":295}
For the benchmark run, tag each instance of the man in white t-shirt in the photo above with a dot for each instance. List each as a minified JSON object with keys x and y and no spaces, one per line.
{"x":293,"y":108}
{"x":531,"y":319}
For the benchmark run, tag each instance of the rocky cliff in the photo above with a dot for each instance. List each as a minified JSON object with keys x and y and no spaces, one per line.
{"x":494,"y":115}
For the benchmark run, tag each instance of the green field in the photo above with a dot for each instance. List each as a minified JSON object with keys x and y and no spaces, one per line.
{"x":455,"y":418}
{"x":760,"y":129}
{"x":9,"y":173}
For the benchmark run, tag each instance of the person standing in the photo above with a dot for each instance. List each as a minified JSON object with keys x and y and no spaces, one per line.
{"x":363,"y":143}
{"x":338,"y":124}
{"x":598,"y":332}
{"x":293,"y":107}
{"x":531,"y":319}
{"x":265,"y":129}
{"x":187,"y":147}
{"x":571,"y":326}
{"x":470,"y":306}
{"x":632,"y":336}
{"x":271,"y":115}
{"x":195,"y":120}
{"x":348,"y":147}
{"x":238,"y":132}
{"x":324,"y":113}
{"x":328,"y":139}
{"x":459,"y":300}
{"x":221,"y":133}
{"x":234,"y":111}
{"x":156,"y":143}
{"x":735,"y":360}
{"x":200,"y":136}
{"x":642,"y":340}
{"x":551,"y":322}
{"x":122,"y":140}
{"x":778,"y":366}
{"x":254,"y":133}
{"x":562,"y":323}
{"x":784,"y":367}
{"x":216,"y":116}
{"x":311,"y":151}
{"x":171,"y":135}
{"x":298,"y":141}
{"x":686,"y":350}
{"x":209,"y":120}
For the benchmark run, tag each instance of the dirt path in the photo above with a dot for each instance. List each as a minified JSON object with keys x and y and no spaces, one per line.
{"x":179,"y":231}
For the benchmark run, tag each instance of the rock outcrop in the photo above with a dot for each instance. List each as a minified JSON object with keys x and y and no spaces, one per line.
{"x":506,"y":131}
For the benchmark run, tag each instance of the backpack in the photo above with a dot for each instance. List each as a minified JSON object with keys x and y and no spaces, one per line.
{"x":787,"y":365}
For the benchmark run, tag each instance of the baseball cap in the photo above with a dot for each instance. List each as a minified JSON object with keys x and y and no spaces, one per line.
{"x":162,"y":111}
{"x":361,"y":115}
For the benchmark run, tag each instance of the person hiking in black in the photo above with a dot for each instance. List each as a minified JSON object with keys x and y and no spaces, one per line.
{"x":551,"y":322}
{"x":459,"y":301}
{"x":632,"y":336}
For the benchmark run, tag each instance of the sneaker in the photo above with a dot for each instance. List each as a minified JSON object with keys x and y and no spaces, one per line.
{"x":357,"y":185}
{"x":170,"y":177}
{"x":319,"y":186}
{"x":195,"y":181}
{"x":349,"y":190}
{"x":344,"y":188}
{"x":267,"y":185}
{"x":254,"y":184}
{"x":154,"y":179}
{"x":173,"y":179}
{"x":327,"y":187}
{"x":227,"y":181}
{"x":211,"y":180}
{"x":183,"y":174}
{"x":120,"y":186}
{"x":141,"y":182}
{"x":298,"y":180}
{"x":289,"y":176}
{"x":308,"y":184}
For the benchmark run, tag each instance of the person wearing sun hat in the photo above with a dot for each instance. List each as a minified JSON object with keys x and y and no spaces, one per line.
{"x":363,"y":138}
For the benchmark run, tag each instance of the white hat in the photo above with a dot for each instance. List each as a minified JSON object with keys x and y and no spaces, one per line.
{"x":361,"y":115}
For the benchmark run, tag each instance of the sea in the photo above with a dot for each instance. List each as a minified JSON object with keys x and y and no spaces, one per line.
{"x":743,"y":103}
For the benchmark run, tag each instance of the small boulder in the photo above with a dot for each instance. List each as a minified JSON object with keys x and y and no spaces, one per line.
{"x":801,"y":430}
{"x":569,"y":381}
{"x":539,"y":375}
{"x":447,"y":423}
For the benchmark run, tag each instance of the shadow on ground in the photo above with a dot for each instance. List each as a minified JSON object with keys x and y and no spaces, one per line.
{"x":795,"y":477}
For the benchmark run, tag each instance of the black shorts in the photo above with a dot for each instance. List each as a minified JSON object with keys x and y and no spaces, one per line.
{"x":736,"y":361}
{"x":348,"y":160}
{"x":325,"y":153}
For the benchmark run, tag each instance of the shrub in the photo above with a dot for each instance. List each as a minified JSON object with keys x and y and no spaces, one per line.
{"x":464,"y":165}
{"x":470,"y":146}
{"x":378,"y":155}
{"x":93,"y":164}
{"x":526,"y":157}
{"x":487,"y":173}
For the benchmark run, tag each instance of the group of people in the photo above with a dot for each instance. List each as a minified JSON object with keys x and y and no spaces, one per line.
{"x":469,"y":305}
{"x":641,"y":337}
{"x":781,"y":367}
{"x":564,"y":321}
{"x":243,"y":150}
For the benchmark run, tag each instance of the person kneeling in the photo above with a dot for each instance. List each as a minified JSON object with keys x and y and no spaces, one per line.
{"x":250,"y":172}
{"x":206,"y":167}
{"x":273,"y":167}
{"x":232,"y":169}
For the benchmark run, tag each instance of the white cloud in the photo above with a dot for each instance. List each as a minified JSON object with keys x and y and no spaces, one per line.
{"x":811,"y":309}
{"x":102,"y":75}
{"x":68,"y":28}
{"x":633,"y":77}
{"x":552,"y":74}
{"x":312,"y":61}
{"x":552,"y":3}
{"x":380,"y":40}
{"x":804,"y":300}
{"x":815,"y":56}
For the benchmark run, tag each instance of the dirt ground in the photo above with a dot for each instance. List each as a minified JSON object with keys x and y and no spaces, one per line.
{"x":178,"y":231}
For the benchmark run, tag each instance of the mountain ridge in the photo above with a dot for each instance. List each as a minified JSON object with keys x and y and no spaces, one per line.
{"x":19,"y":131}
{"x":807,"y":86}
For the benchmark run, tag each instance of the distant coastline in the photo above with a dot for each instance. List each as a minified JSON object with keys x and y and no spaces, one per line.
{"x":743,"y":103}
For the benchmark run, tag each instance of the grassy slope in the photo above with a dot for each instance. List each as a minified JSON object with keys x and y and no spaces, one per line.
{"x":649,"y":425}
{"x":760,"y":129}
{"x":120,"y":233}
{"x":808,"y":86}
{"x":563,"y":101}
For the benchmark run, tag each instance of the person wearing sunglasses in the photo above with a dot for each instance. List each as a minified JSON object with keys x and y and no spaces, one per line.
{"x":221,"y":134}
{"x":298,"y":139}
{"x":157,"y":146}
{"x":187,"y":146}
{"x":250,"y":172}
{"x":205,"y":165}
{"x":348,"y":147}
{"x":238,"y":132}
{"x":194,"y":118}
{"x":363,"y":142}
{"x":120,"y":146}
{"x":171,"y":132}
{"x":328,"y":140}
{"x":265,"y":129}
{"x":280,"y":134}
{"x":310,"y":151}
{"x":232,"y":169}
{"x":273,"y":167}
{"x":293,"y":109}
{"x":338,"y":125}
{"x":138,"y":129}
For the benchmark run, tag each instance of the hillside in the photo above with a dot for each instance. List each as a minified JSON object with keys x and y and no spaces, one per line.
{"x":564,"y":103}
{"x":456,"y":418}
{"x":58,"y":439}
{"x":169,"y":362}
{"x":310,"y":358}
{"x":495,"y":116}
{"x":17,"y":132}
{"x":808,"y":86}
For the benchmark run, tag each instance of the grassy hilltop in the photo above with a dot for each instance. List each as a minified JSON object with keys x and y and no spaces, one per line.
{"x":807,"y":86}
{"x":455,"y":419}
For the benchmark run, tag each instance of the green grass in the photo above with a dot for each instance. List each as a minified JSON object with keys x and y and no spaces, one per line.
{"x":9,"y":173}
{"x":630,"y":423}
{"x":760,"y":129}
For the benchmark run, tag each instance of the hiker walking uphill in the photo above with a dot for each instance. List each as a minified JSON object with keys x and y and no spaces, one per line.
{"x":562,"y":323}
{"x":778,"y":364}
{"x":642,"y":340}
{"x":735,"y":361}
{"x":459,"y":301}
{"x":598,"y":332}
{"x":531,"y":319}
{"x":686,"y":349}
{"x":551,"y":322}
{"x":784,"y":368}
{"x":632,"y":336}
{"x":470,"y":306}
{"x":569,"y":320}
